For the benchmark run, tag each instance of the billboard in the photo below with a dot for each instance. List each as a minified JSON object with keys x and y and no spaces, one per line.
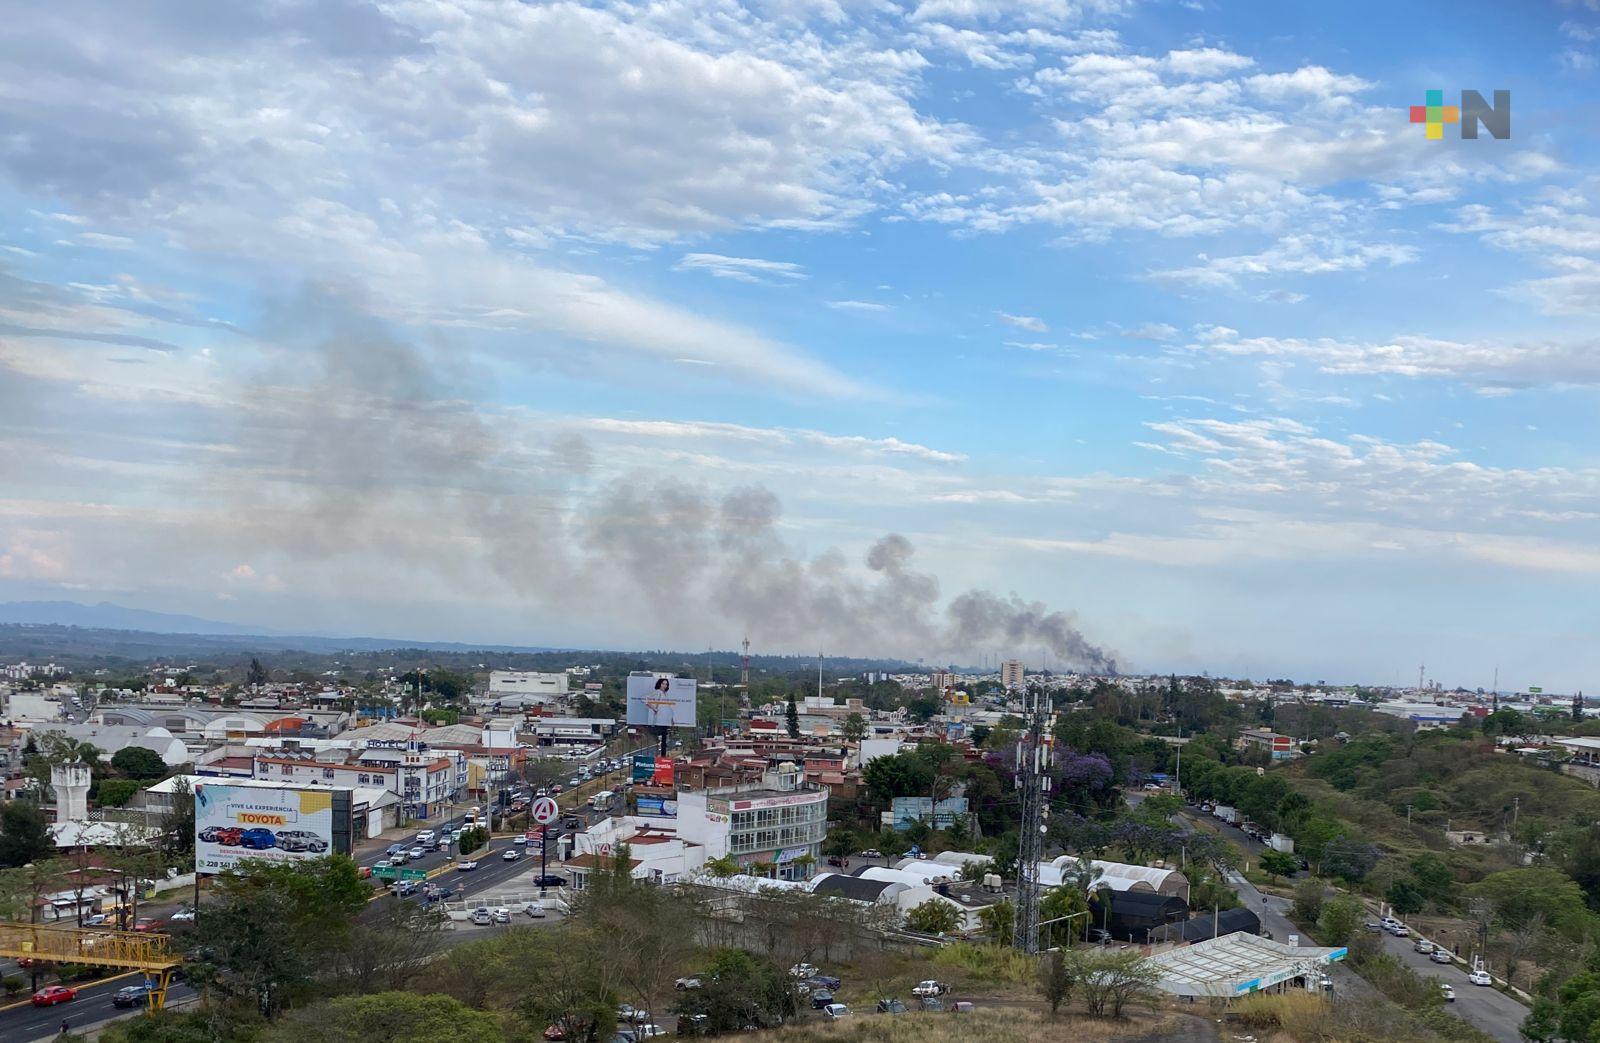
{"x":661,"y":701}
{"x":236,"y":823}
{"x":657,"y":807}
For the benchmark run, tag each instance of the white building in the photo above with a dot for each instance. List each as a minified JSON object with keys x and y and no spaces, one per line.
{"x":1011,"y":673}
{"x":525,"y":688}
{"x":777,"y":822}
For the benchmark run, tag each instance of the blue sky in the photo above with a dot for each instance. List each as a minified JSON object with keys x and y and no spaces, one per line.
{"x":643,"y":325}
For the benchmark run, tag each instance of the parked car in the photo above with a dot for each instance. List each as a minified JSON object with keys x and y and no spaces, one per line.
{"x":1374,"y":927}
{"x":550,"y":880}
{"x":931,"y":1003}
{"x":1325,"y":983}
{"x":824,"y":981}
{"x":534,"y":910}
{"x":502,"y":914}
{"x":891,"y":1006}
{"x":466,"y":867}
{"x":511,"y":855}
{"x":1440,"y":955}
{"x":646,"y":1031}
{"x":690,"y":982}
{"x":1400,"y":930}
{"x":1423,"y":946}
{"x":803,"y":970}
{"x":928,"y":988}
{"x":481,"y":916}
{"x":146,"y":924}
{"x":133,"y":995}
{"x":50,"y":995}
{"x":962,"y":1007}
{"x":1480,"y":977}
{"x":1447,"y":992}
{"x":871,"y":852}
{"x":835,"y":1011}
{"x":821,"y":998}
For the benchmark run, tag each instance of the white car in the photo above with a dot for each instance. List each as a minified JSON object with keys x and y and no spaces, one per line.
{"x":184,"y":915}
{"x":690,"y":982}
{"x":803,"y":970}
{"x":466,"y":867}
{"x":1480,"y":977}
{"x":1447,"y":992}
{"x":1423,"y":946}
{"x":482,"y":917}
{"x":648,"y":1030}
{"x":511,"y":855}
{"x":383,"y":864}
{"x":534,"y":909}
{"x":927,"y":988}
{"x":835,"y":1011}
{"x":1439,"y":955}
{"x":425,"y":837}
{"x":521,"y":841}
{"x":416,"y":853}
{"x":502,"y":915}
{"x":1400,"y":930}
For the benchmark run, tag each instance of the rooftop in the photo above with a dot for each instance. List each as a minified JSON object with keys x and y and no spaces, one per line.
{"x":1238,"y":964}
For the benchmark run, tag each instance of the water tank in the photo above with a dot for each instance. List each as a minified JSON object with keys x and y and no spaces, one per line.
{"x":991,"y":882}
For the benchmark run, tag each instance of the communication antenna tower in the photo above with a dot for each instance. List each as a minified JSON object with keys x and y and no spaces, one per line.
{"x":1033,"y":762}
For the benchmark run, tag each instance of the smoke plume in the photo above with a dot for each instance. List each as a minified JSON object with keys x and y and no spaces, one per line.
{"x":358,"y":439}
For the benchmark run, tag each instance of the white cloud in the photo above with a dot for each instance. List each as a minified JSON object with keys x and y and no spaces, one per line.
{"x":741,"y":269}
{"x":1296,"y":254}
{"x":1024,"y":322}
{"x":696,"y":431}
{"x":863,"y":306}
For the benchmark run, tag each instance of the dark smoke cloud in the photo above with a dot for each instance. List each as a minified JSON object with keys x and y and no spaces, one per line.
{"x":357,"y":434}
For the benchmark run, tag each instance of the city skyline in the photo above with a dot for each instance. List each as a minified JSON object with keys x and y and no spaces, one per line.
{"x":618,"y":326}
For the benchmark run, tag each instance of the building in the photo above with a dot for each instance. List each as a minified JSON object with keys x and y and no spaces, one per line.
{"x":780,"y":822}
{"x":1011,"y":673}
{"x":426,"y":782}
{"x":1278,"y":747}
{"x":525,"y":688}
{"x":1131,"y":916}
{"x":1239,"y":964}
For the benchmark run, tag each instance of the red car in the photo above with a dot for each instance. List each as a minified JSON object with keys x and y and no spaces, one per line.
{"x":145,"y":924}
{"x":50,"y":995}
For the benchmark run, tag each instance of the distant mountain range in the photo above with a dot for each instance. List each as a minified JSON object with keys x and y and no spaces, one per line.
{"x":106,"y":616}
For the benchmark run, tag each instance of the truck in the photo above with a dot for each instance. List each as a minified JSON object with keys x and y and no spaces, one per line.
{"x":1227,"y":814}
{"x":603,"y":800}
{"x":1280,"y":842}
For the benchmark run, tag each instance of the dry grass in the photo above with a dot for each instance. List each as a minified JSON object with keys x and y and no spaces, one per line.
{"x":983,"y":1026}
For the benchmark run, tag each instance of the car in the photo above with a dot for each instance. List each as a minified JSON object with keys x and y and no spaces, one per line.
{"x":425,"y":837}
{"x":1151,"y":787}
{"x":572,"y":783}
{"x":466,"y":867}
{"x":690,"y":982}
{"x":133,"y":995}
{"x":802,"y":970}
{"x":394,"y":849}
{"x":891,"y":1006}
{"x":835,"y":1011}
{"x":962,"y":1007}
{"x":543,"y":792}
{"x":1099,"y":935}
{"x":557,"y":790}
{"x":502,"y":914}
{"x":184,"y":915}
{"x":928,"y":988}
{"x":1325,"y":983}
{"x":227,"y":836}
{"x":871,"y":852}
{"x":1374,"y":927}
{"x":258,"y":839}
{"x":511,"y":855}
{"x":1423,"y":946}
{"x":406,"y":888}
{"x":550,"y":880}
{"x":1400,"y":930}
{"x":628,"y":1012}
{"x":301,"y":840}
{"x":399,"y":858}
{"x":824,"y":981}
{"x":481,"y":916}
{"x":534,"y":910}
{"x":416,"y":853}
{"x":931,"y":1003}
{"x":646,"y":1031}
{"x":1439,"y":955}
{"x":50,"y":995}
{"x":146,"y":924}
{"x":1447,"y":992}
{"x":383,"y":863}
{"x":835,"y":860}
{"x":521,"y":841}
{"x":821,"y":998}
{"x":1480,"y":977}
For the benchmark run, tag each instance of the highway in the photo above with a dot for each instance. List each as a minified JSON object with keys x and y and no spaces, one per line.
{"x":92,"y":1007}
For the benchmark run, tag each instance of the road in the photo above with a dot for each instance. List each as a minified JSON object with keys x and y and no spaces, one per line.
{"x":91,"y":1008}
{"x":1488,"y":1009}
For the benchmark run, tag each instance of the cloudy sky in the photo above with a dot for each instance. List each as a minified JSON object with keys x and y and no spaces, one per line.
{"x":643,"y":324}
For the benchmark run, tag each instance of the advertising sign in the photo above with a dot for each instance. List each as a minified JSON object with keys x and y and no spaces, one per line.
{"x":235,"y":823}
{"x":664,"y":807}
{"x":661,"y":701}
{"x":644,"y":766}
{"x":662,"y":774}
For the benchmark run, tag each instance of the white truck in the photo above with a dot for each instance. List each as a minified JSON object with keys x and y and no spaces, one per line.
{"x":1226,"y":814}
{"x":1280,"y":842}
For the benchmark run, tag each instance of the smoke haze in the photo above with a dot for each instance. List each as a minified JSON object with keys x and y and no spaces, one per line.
{"x":359,"y":438}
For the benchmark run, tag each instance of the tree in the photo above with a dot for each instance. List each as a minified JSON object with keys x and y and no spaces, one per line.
{"x":1278,"y":863}
{"x":1341,"y":921}
{"x":395,"y":1017}
{"x":387,"y":947}
{"x":999,"y":921}
{"x":792,"y":718}
{"x":921,"y":708}
{"x":739,"y":990}
{"x":115,"y":793}
{"x":841,"y":841}
{"x":24,"y":834}
{"x":1515,"y":896}
{"x":177,"y":823}
{"x":723,"y":867}
{"x":1058,"y":976}
{"x":137,"y":762}
{"x":1405,"y":896}
{"x":257,"y":674}
{"x":1110,"y":982}
{"x":974,"y":872}
{"x":1308,"y":895}
{"x":854,"y":727}
{"x":900,"y":775}
{"x":935,"y":916}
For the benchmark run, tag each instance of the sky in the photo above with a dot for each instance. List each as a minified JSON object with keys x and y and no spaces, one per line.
{"x":1069,"y":330}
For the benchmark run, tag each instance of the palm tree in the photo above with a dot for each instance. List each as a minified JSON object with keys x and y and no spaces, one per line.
{"x":723,"y":867}
{"x":807,"y":862}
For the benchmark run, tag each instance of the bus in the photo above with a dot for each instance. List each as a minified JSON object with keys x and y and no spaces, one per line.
{"x":603,"y":800}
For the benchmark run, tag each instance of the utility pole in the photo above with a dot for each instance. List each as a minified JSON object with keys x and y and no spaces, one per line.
{"x":1033,"y":761}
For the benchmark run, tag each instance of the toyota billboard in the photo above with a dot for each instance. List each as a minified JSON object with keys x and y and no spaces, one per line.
{"x":269,"y":824}
{"x":661,"y":701}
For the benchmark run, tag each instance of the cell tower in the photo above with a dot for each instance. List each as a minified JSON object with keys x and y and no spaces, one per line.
{"x":1033,"y":763}
{"x":744,"y":673}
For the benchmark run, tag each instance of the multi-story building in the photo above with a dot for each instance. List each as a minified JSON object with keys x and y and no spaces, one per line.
{"x":525,"y":688}
{"x":425,"y":781}
{"x":1279,"y":747}
{"x":1011,"y":673}
{"x":778,"y":822}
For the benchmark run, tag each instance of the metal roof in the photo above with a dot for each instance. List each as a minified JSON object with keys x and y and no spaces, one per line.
{"x":1238,"y":964}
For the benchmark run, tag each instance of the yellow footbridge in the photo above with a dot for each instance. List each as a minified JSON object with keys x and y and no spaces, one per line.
{"x":95,"y":947}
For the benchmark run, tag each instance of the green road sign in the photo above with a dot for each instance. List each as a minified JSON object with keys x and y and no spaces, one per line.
{"x":1535,"y":689}
{"x":413,"y":874}
{"x":385,"y":872}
